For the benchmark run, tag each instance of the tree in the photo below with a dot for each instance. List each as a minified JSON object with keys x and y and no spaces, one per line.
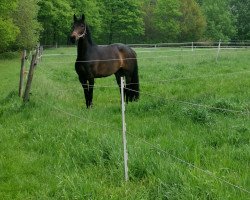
{"x":25,"y":18}
{"x":192,"y":21}
{"x":148,"y":8}
{"x":8,"y":30}
{"x":220,"y":21}
{"x":166,"y":20}
{"x":122,"y":20}
{"x":240,"y":9}
{"x":55,"y":17}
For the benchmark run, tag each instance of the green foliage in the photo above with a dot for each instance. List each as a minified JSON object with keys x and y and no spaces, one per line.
{"x":148,"y":18}
{"x":25,"y":18}
{"x":166,"y":20}
{"x":23,"y":23}
{"x":8,"y":30}
{"x":192,"y":22}
{"x":241,"y":11}
{"x":55,"y":17}
{"x":172,"y":21}
{"x":220,"y":21}
{"x":122,"y":20}
{"x":8,"y":33}
{"x":6,"y":7}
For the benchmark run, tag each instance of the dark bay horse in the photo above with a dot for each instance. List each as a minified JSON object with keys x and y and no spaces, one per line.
{"x":95,"y":61}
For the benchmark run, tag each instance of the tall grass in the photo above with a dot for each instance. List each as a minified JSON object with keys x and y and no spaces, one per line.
{"x":54,"y":148}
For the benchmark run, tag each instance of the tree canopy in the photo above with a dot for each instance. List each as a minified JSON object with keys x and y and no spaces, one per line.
{"x":23,"y":23}
{"x":8,"y":30}
{"x":25,"y":18}
{"x":220,"y":20}
{"x":122,"y":20}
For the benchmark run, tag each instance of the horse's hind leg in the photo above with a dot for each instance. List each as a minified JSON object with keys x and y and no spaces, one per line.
{"x":91,"y":89}
{"x":118,"y":80}
{"x":128,"y":91}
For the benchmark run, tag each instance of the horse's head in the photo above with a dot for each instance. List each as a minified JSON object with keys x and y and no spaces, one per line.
{"x":78,"y":29}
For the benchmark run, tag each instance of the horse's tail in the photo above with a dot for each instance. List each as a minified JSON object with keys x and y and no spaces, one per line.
{"x":134,"y":87}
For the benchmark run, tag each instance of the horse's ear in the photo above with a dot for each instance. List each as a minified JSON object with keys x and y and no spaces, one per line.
{"x":75,"y":18}
{"x":83,"y":17}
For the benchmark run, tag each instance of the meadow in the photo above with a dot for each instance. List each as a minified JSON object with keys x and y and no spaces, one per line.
{"x":188,"y":135}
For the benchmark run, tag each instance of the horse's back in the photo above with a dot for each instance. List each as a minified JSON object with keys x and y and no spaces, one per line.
{"x":128,"y":55}
{"x":116,"y":48}
{"x":126,"y":50}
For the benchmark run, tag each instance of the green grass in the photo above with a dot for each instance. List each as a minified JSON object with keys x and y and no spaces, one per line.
{"x":54,"y":148}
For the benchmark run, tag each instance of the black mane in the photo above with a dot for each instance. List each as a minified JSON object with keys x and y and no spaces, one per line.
{"x":88,"y":35}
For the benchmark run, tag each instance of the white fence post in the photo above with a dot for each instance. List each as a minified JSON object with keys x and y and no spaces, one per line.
{"x":125,"y":154}
{"x":192,"y":46}
{"x":218,"y":51}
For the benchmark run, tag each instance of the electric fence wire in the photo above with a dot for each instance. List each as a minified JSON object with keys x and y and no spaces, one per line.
{"x":138,"y":58}
{"x":152,"y":145}
{"x":191,"y":104}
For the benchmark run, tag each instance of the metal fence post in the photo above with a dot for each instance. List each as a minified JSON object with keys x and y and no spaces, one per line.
{"x":125,"y":154}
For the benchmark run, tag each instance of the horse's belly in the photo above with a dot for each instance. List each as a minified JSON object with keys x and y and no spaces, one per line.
{"x":104,"y":70}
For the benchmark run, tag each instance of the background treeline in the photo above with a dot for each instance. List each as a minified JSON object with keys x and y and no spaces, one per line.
{"x":25,"y":22}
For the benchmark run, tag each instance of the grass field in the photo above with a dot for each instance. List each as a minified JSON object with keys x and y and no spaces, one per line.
{"x":188,"y":135}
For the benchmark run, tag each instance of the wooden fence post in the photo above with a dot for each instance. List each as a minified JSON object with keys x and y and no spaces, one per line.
{"x":125,"y":154}
{"x":30,"y":76}
{"x":20,"y":91}
{"x":40,"y":52}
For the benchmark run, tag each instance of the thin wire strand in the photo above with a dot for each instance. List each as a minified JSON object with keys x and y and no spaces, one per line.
{"x":163,"y":151}
{"x":160,"y":50}
{"x":159,"y":149}
{"x":163,"y":81}
{"x":79,"y":117}
{"x":189,"y":50}
{"x":188,"y":78}
{"x":192,"y":104}
{"x":144,"y":58}
{"x":191,"y":165}
{"x":155,"y":147}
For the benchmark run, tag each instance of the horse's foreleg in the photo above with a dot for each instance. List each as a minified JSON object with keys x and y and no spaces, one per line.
{"x":91,"y":89}
{"x":85,"y":88}
{"x":86,"y":92}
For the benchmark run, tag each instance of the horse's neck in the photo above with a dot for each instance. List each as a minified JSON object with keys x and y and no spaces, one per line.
{"x":82,"y":48}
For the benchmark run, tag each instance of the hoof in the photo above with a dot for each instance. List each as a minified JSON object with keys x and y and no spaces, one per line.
{"x":90,"y":106}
